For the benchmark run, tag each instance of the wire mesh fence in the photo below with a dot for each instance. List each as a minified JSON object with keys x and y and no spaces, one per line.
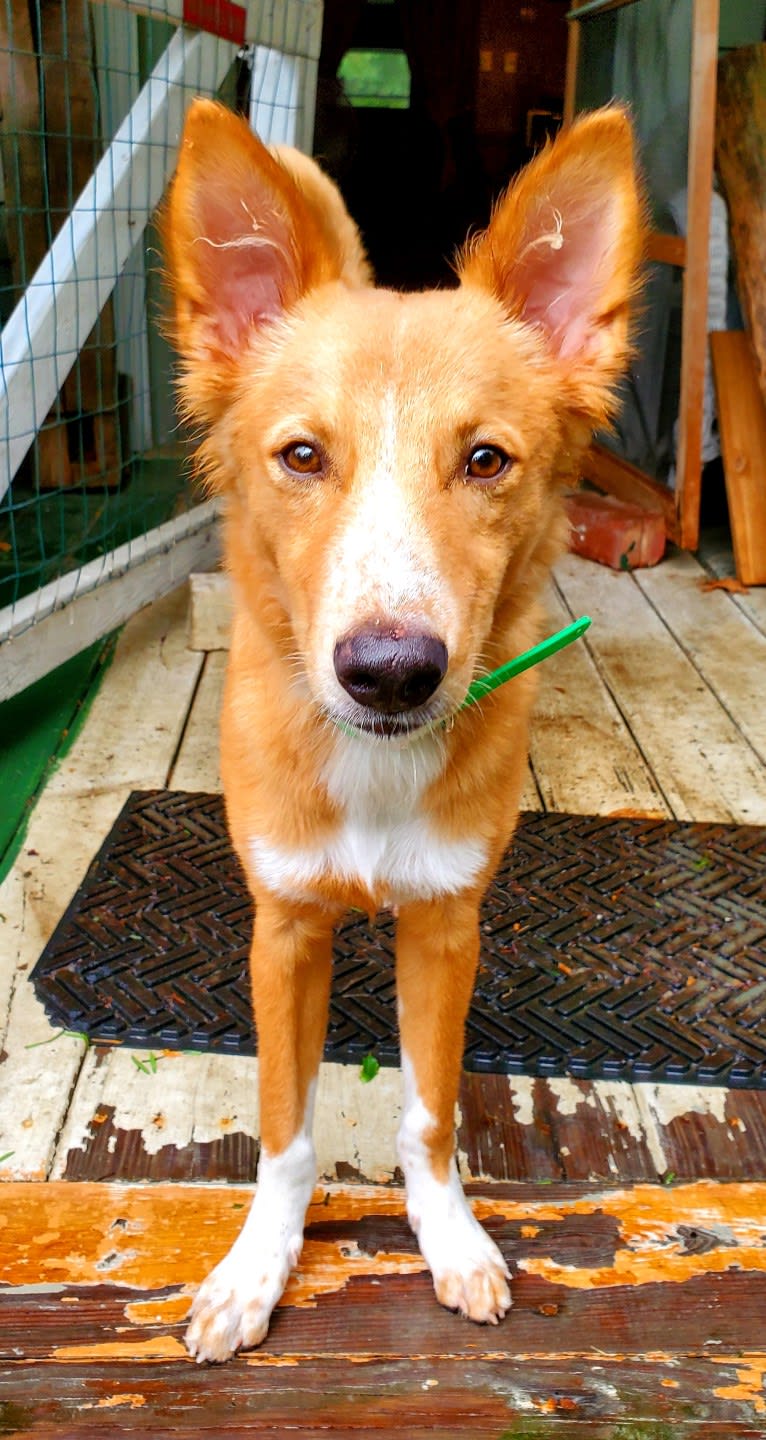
{"x":98,"y":509}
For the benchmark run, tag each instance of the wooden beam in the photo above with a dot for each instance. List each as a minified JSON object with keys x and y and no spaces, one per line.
{"x":570,"y":81}
{"x":49,"y":626}
{"x":741,"y":159}
{"x":694,"y":323}
{"x":619,"y":477}
{"x":742,"y":427}
{"x":292,"y":26}
{"x":666,"y":249}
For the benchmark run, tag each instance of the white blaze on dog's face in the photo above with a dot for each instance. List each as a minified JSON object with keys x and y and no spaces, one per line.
{"x":367,"y":485}
{"x":393,"y":460}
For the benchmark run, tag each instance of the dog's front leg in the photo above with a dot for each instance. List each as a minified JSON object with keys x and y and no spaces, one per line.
{"x":437,"y":954}
{"x":290,"y":967}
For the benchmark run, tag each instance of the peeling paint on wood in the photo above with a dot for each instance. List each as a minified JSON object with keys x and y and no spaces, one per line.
{"x":118,"y":1402}
{"x":196,"y":1116}
{"x":147,"y":1239}
{"x":669,"y":1102}
{"x":751,"y":1384}
{"x":505,"y":1131}
{"x":359,"y":1334}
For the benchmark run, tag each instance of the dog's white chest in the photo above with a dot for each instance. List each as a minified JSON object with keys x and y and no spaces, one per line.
{"x":384,"y":841}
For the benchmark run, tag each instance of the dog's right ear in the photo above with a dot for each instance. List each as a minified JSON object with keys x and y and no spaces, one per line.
{"x":562,"y":253}
{"x":242,"y":245}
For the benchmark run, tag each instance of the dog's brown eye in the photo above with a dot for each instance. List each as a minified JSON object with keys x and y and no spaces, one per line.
{"x":487,"y":462}
{"x":302,"y":458}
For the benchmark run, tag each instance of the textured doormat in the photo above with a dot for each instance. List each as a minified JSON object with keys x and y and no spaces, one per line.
{"x":620,"y":948}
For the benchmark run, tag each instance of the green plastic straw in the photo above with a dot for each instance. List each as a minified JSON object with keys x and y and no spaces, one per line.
{"x":487,"y":683}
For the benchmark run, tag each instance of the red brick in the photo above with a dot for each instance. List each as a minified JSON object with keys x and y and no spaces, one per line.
{"x":613,"y":532}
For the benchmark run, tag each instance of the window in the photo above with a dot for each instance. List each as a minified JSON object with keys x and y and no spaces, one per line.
{"x":376,"y":78}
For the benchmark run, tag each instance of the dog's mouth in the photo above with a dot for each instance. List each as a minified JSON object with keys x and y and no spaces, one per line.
{"x":399,"y":726}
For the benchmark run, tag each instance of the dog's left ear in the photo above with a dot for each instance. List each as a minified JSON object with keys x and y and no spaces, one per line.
{"x":563,"y":250}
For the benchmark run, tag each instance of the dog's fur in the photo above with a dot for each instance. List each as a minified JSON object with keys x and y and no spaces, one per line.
{"x":384,"y":522}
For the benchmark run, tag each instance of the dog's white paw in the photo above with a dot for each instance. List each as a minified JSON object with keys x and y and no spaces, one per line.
{"x":476,"y":1285}
{"x":232,"y":1309}
{"x":469,"y":1272}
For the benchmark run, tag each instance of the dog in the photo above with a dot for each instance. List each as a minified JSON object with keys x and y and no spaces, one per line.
{"x":392,"y":467}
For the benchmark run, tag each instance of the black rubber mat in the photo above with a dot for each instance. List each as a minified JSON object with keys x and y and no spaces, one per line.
{"x":614,"y":948}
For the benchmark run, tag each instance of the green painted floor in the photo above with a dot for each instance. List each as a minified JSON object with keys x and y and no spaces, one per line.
{"x":37,"y":727}
{"x":43,"y":535}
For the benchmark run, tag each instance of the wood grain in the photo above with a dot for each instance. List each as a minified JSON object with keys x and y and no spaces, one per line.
{"x":742,"y":425}
{"x":694,"y":748}
{"x":741,"y":158}
{"x":585,"y":760}
{"x":128,"y":741}
{"x":633,"y":1307}
{"x":699,"y":186}
{"x":726,"y":649}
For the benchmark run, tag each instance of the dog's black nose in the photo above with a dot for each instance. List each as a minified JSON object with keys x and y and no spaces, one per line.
{"x":390,"y":668}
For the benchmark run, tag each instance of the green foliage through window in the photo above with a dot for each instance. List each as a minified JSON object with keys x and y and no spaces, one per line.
{"x":379,"y":78}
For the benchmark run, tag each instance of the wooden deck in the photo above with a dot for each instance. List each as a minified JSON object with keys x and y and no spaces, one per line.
{"x":634,"y":1217}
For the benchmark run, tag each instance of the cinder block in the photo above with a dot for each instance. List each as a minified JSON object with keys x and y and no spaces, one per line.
{"x":614,"y":532}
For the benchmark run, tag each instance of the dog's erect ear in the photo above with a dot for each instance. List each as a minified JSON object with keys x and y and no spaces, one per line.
{"x":242,"y":241}
{"x":563,"y":250}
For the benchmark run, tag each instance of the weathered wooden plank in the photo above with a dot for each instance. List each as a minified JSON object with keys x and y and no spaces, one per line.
{"x":197,"y":764}
{"x":693,"y":747}
{"x":631,"y":1305}
{"x":37,"y":1071}
{"x":442,"y":1399}
{"x":723,"y":645}
{"x":741,"y":159}
{"x":742,"y":427}
{"x":504,"y":1131}
{"x":128,"y":741}
{"x":584,"y":758}
{"x":137,"y":718}
{"x":137,"y":1115}
{"x":484,"y":1398}
{"x":625,"y":1133}
{"x":210,"y":610}
{"x":599,"y":1131}
{"x":717,"y":556}
{"x":530,"y":796}
{"x":706,"y":1130}
{"x":581,"y":1242}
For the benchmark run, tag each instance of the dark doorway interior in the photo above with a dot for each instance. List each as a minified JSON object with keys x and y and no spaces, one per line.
{"x":467,"y":90}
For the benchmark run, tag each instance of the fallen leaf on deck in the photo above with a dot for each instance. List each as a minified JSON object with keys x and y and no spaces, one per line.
{"x":727,"y":582}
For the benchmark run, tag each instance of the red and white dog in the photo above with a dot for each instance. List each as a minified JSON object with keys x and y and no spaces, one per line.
{"x":392,"y":467}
